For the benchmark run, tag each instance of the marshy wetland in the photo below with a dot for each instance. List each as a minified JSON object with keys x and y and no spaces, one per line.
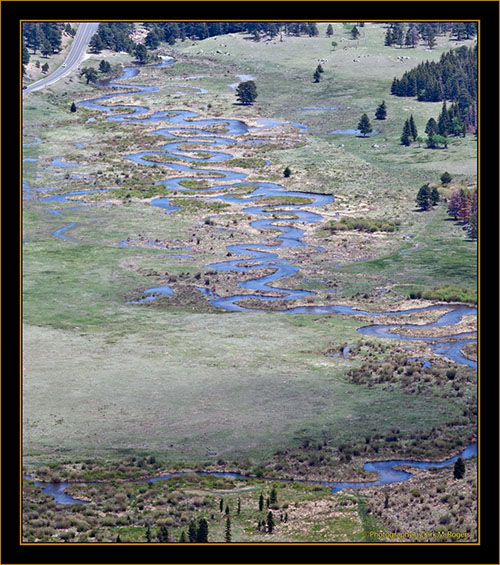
{"x":190,"y":310}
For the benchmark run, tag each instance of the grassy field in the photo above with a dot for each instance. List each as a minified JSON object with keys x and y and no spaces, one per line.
{"x":188,"y":383}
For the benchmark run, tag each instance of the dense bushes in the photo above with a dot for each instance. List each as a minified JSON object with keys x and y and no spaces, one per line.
{"x":364,"y":224}
{"x":450,"y":293}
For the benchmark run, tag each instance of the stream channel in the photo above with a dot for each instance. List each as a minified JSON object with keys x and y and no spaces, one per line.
{"x":256,"y":256}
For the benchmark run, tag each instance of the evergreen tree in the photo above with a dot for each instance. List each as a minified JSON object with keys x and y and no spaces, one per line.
{"x":141,"y":53}
{"x":381,"y":111}
{"x":270,"y":522}
{"x":45,"y":47}
{"x":434,"y":196}
{"x":443,"y":121}
{"x":45,"y":68}
{"x":163,"y":535}
{"x":90,"y":74}
{"x":96,"y":44}
{"x":221,"y":505}
{"x":104,"y":66}
{"x":446,"y":178}
{"x":152,"y":40}
{"x":413,"y":128}
{"x":431,"y":39}
{"x":459,"y":469}
{"x":423,"y":197}
{"x":228,"y":530}
{"x":73,"y":107}
{"x":388,"y":38}
{"x":202,"y":533}
{"x":431,"y":127}
{"x":25,"y":53}
{"x":286,"y":173}
{"x":406,"y":135}
{"x":355,"y":32}
{"x":192,"y":532}
{"x":182,"y":537}
{"x":246,"y":92}
{"x":414,"y":37}
{"x":316,"y":76}
{"x":364,"y":125}
{"x":273,"y":497}
{"x":261,"y":502}
{"x":329,"y":30}
{"x":148,"y":533}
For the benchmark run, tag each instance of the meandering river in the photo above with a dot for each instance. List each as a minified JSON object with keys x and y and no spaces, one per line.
{"x":189,"y":131}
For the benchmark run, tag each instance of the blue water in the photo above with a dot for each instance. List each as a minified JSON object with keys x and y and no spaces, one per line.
{"x":248,"y":256}
{"x":189,"y":131}
{"x":386,"y":470}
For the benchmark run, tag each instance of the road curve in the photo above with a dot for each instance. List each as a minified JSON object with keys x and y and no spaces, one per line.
{"x":75,"y":56}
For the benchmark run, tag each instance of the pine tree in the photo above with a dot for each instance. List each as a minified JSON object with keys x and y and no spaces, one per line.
{"x":270,"y":522}
{"x":273,"y":497}
{"x":446,"y":178}
{"x":228,"y":530}
{"x":192,"y":532}
{"x":381,"y":111}
{"x":434,"y":196}
{"x":406,"y":135}
{"x":287,"y":172}
{"x":246,"y":92}
{"x":443,"y":121}
{"x":388,"y":38}
{"x":413,"y":128}
{"x":364,"y":125}
{"x":163,"y":534}
{"x":104,"y":66}
{"x":329,"y":30}
{"x":73,"y":107}
{"x":431,"y":127}
{"x":459,"y":469}
{"x":182,"y":537}
{"x":261,"y":502}
{"x":354,"y":32}
{"x":316,"y":76}
{"x":202,"y":533}
{"x":423,"y":197}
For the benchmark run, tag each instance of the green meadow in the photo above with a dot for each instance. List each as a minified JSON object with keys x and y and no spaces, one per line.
{"x":177,"y":378}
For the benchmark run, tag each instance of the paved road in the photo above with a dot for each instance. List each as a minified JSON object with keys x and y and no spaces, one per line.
{"x":74,"y":58}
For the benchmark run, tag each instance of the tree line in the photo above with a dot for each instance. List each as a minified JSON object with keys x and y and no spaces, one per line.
{"x":116,"y":35}
{"x":453,"y":78}
{"x":399,"y":34}
{"x":45,"y":37}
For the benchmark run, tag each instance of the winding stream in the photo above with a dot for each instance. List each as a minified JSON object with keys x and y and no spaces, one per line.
{"x":387,"y":470}
{"x":256,"y":256}
{"x":251,"y":256}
